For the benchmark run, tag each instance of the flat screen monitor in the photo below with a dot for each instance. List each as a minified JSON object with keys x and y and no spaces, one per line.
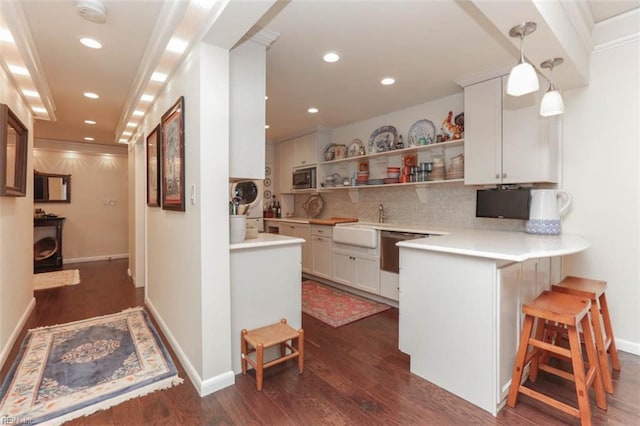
{"x":503,"y":203}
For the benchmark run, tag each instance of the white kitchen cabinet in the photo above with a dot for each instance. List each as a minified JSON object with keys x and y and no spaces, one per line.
{"x":321,"y":243}
{"x":304,"y":150}
{"x":389,"y":285}
{"x":300,"y":230}
{"x":247,"y":86}
{"x":506,"y":140}
{"x":357,"y":267}
{"x":284,"y":166}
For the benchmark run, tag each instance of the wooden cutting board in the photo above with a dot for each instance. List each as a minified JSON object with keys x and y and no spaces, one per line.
{"x":332,"y":220}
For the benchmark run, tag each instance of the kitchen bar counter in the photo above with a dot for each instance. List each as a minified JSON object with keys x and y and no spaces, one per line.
{"x":265,"y":240}
{"x":501,"y":245}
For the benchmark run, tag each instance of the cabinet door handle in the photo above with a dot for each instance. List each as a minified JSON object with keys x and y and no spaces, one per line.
{"x":504,"y":175}
{"x":497,"y":176}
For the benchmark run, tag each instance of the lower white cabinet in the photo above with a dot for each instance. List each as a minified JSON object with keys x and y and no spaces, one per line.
{"x":300,"y":230}
{"x":321,"y":243}
{"x":357,"y":267}
{"x":389,"y":285}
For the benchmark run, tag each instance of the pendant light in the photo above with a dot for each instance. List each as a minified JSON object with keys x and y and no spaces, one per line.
{"x":552,"y":103}
{"x":522,"y":78}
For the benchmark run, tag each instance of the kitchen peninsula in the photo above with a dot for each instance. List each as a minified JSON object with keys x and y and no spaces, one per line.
{"x":460,"y":301}
{"x":265,"y":286}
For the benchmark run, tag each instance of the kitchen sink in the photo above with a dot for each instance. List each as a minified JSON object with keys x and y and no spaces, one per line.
{"x":356,"y":235}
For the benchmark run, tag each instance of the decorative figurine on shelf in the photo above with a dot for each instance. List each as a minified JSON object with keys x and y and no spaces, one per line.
{"x":451,"y":130}
{"x":399,"y":143}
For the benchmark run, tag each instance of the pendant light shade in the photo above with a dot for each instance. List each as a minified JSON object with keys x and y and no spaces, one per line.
{"x":522,"y":78}
{"x":552,"y":103}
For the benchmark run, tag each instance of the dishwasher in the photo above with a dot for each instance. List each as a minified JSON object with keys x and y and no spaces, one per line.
{"x":389,"y":252}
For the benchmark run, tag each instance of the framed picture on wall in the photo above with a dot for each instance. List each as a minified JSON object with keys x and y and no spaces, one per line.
{"x":153,"y":167}
{"x":172,"y":157}
{"x":14,"y":138}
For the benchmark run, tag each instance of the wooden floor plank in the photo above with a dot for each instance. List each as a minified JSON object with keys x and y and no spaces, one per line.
{"x":354,"y":375}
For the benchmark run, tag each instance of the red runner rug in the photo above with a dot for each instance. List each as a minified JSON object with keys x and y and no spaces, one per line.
{"x":334,"y":307}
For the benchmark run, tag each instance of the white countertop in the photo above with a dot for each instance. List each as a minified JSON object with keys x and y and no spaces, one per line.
{"x":265,"y":240}
{"x":502,"y":245}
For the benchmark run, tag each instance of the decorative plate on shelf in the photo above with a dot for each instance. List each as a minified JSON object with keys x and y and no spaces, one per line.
{"x":355,"y":148}
{"x":313,"y":206}
{"x":382,"y":139}
{"x":422,"y":129}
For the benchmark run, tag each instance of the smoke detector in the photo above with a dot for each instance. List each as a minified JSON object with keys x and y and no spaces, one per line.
{"x":92,"y":10}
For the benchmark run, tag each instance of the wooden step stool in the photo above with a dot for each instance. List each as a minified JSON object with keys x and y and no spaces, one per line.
{"x":594,"y":291}
{"x":568,"y":311}
{"x":261,"y":338}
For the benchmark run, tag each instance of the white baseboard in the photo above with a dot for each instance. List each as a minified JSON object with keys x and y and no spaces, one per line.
{"x":628,"y":346}
{"x":16,"y":331}
{"x":202,"y":387}
{"x":96,"y":258}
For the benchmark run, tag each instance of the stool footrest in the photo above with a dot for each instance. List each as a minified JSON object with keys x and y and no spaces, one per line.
{"x":550,"y":401}
{"x":557,"y":372}
{"x":551,"y":348}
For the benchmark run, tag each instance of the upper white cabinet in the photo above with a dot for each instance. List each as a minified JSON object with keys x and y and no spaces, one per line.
{"x":247,"y":70}
{"x":506,"y":140}
{"x":304,"y":151}
{"x":284,"y":166}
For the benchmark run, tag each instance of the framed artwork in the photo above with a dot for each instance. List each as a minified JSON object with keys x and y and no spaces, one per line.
{"x":153,"y":167}
{"x":14,"y":138}
{"x":172,"y":157}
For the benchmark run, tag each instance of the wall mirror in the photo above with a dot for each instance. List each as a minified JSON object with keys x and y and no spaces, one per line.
{"x":51,"y":188}
{"x":14,"y":139}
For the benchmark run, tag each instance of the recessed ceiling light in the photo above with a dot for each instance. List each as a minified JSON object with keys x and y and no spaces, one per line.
{"x":177,"y":45}
{"x":126,"y":133}
{"x":387,"y":81}
{"x":266,"y":126}
{"x":312,"y":110}
{"x":18,"y":70}
{"x":266,"y":97}
{"x":89,"y":122}
{"x":31,"y":93}
{"x":90,"y":95}
{"x":331,"y":57}
{"x":146,"y":98}
{"x":138,"y":113}
{"x":5,"y":35}
{"x":88,"y":138}
{"x":159,"y":77}
{"x":122,"y":141}
{"x":92,"y":43}
{"x":38,"y":110}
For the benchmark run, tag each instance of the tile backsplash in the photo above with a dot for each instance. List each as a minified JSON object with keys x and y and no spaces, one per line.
{"x":447,"y":204}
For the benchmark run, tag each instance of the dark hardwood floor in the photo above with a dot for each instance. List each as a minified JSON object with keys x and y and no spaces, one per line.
{"x":354,"y":375}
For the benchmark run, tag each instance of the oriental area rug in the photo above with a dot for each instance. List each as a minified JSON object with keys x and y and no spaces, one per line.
{"x":334,"y":307}
{"x":71,"y":370}
{"x":46,"y":280}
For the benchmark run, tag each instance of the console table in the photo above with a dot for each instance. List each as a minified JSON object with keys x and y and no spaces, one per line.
{"x":48,"y":229}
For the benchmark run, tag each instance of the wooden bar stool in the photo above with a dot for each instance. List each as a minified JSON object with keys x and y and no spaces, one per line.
{"x":261,"y":338}
{"x":568,"y":311}
{"x":594,"y":291}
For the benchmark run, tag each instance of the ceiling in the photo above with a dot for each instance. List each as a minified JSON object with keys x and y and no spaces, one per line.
{"x":426,"y":45}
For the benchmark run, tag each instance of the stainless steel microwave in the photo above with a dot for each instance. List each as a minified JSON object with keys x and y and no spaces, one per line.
{"x":304,"y":178}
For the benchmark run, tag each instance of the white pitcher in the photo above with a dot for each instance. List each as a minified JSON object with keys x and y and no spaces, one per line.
{"x":547,"y":207}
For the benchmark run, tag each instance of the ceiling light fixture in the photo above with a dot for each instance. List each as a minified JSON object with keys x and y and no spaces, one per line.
{"x":92,"y":10}
{"x":312,"y":110}
{"x":177,"y":45}
{"x":552,"y":103}
{"x":522,"y":78}
{"x":138,"y":113}
{"x":30,"y":93}
{"x":331,"y":57}
{"x":5,"y":36}
{"x":91,"y":95}
{"x":92,"y":43}
{"x":159,"y":77}
{"x":146,"y":98}
{"x":38,"y":110}
{"x":89,"y":122}
{"x":122,"y":141}
{"x":266,"y":126}
{"x":387,"y":81}
{"x":126,"y":133}
{"x":131,"y":124}
{"x":18,"y":70}
{"x":88,"y":138}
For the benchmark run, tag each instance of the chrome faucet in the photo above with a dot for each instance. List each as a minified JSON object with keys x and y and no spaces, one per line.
{"x":381,"y":216}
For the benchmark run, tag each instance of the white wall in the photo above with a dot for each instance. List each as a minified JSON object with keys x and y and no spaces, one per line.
{"x":601,"y":157}
{"x":187,"y":285}
{"x":96,"y":219}
{"x":16,"y":239}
